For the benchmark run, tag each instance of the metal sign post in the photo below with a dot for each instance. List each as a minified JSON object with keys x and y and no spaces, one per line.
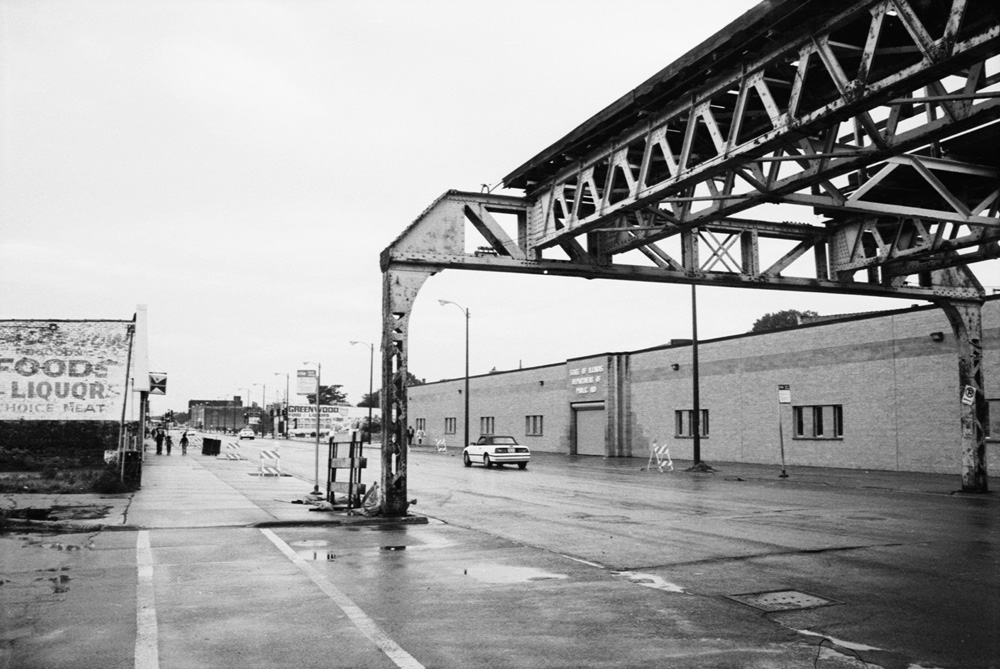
{"x":784,"y":397}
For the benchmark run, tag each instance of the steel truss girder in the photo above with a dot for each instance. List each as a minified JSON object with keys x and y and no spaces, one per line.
{"x":436,"y":241}
{"x":725,"y":144}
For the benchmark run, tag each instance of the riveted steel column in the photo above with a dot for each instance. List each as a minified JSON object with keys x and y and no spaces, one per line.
{"x":966,"y":321}
{"x":399,"y":290}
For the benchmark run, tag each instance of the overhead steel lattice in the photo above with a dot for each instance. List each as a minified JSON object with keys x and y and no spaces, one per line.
{"x":878,"y":118}
{"x":810,"y":145}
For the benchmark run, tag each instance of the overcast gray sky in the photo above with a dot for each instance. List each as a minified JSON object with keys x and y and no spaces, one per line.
{"x":238,"y":165}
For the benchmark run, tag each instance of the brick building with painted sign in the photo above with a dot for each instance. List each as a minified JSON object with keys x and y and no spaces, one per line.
{"x":878,"y":391}
{"x":65,"y":385}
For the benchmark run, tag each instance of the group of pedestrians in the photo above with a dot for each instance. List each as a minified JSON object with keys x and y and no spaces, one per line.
{"x":161,"y":436}
{"x":420,"y":434}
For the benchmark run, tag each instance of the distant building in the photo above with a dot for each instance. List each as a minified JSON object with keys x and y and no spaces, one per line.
{"x":218,"y":415}
{"x":870,"y":391}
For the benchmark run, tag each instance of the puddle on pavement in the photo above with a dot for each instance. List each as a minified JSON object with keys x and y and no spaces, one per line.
{"x":59,"y":583}
{"x":502,"y":574}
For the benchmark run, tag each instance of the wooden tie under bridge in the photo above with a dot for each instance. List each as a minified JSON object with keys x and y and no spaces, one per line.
{"x":870,"y":127}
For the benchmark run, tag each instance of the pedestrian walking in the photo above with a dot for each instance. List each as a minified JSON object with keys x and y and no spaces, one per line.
{"x":184,"y":444}
{"x":409,"y":436}
{"x":159,"y":441}
{"x":420,"y":437}
{"x":170,"y":443}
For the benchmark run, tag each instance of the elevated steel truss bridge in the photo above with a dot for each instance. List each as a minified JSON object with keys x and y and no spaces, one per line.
{"x":831,"y":147}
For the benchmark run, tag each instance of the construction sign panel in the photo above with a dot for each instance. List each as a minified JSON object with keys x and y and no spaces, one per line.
{"x":63,"y":370}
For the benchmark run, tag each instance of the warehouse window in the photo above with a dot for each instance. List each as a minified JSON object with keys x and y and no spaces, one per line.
{"x":486,"y":425}
{"x":684,"y":421}
{"x":533,"y":426}
{"x":422,"y":424}
{"x":449,"y":425}
{"x":824,"y":421}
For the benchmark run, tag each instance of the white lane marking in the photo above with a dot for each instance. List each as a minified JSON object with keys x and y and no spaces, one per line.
{"x":368,"y":627}
{"x":589,"y":564}
{"x":839,"y":642}
{"x":651,"y":581}
{"x":146,"y":641}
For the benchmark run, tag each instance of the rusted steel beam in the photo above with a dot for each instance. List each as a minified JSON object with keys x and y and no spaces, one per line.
{"x":706,"y":137}
{"x":400,"y":286}
{"x":966,"y":322}
{"x":565,"y":268}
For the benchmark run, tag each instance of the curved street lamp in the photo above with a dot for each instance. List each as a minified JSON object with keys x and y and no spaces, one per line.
{"x":466,"y":312}
{"x":318,"y":372}
{"x":371,"y":376}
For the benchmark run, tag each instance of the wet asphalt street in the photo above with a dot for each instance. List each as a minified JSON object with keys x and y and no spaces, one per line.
{"x":574,"y":562}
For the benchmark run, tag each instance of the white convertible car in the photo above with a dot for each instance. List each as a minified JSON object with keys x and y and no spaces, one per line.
{"x":496,"y":450}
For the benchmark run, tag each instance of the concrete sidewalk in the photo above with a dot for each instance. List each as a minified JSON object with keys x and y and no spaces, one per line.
{"x":208,"y":491}
{"x":192,"y":490}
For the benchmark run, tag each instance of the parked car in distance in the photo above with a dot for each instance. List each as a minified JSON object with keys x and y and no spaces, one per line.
{"x":496,"y":450}
{"x":246,"y":433}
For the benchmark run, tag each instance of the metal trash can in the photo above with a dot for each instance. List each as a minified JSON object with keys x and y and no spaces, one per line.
{"x":210,"y":446}
{"x":132,"y":469}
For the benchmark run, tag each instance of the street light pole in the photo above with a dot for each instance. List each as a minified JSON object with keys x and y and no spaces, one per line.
{"x":263,"y":405}
{"x":371,"y":376}
{"x":283,"y":418}
{"x":466,"y":311}
{"x":319,"y":371}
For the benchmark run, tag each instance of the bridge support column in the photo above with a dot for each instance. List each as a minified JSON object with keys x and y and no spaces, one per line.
{"x":966,"y":322}
{"x":399,"y":290}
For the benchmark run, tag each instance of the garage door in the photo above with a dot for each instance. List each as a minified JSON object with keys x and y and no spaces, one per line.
{"x":590,"y":428}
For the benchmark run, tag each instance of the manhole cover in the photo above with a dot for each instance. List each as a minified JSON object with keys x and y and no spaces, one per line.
{"x":782,"y":600}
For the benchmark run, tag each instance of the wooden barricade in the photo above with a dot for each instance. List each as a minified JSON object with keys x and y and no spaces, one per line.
{"x":662,"y":456}
{"x":233,"y":450}
{"x":353,"y":463}
{"x":270,"y":462}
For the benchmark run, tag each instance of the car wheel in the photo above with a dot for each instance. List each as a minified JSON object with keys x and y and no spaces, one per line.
{"x":522,"y":465}
{"x":486,"y":460}
{"x":466,"y":460}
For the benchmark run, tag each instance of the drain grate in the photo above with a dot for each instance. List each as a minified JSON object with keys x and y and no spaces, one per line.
{"x":782,"y":600}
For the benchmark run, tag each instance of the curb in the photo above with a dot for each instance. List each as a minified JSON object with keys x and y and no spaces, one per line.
{"x":24,"y":525}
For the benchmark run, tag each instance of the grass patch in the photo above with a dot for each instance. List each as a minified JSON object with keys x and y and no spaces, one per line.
{"x":51,"y":481}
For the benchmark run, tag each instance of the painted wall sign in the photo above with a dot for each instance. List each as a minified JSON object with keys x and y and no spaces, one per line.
{"x":63,"y":370}
{"x":587,"y":379}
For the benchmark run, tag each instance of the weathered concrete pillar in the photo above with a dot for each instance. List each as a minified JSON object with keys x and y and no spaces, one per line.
{"x":399,"y":290}
{"x":966,"y":321}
